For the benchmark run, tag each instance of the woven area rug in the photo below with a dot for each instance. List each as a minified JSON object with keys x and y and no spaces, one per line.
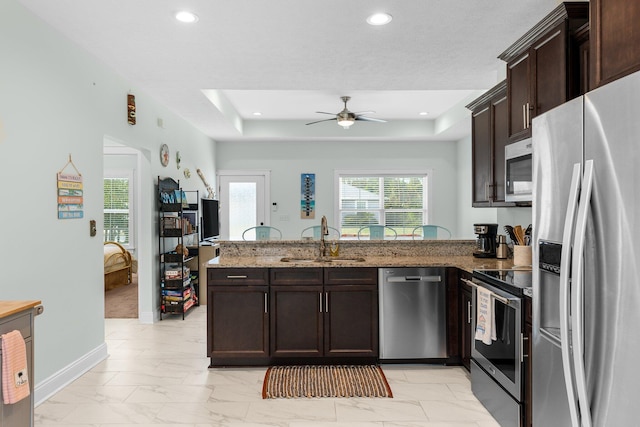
{"x":325,"y":381}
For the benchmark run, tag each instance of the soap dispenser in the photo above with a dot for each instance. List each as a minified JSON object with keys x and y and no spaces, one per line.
{"x":502,"y":251}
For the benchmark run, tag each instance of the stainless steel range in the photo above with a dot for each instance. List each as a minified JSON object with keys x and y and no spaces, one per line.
{"x":497,"y":368}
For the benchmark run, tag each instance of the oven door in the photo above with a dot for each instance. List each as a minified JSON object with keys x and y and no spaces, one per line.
{"x":503,"y":359}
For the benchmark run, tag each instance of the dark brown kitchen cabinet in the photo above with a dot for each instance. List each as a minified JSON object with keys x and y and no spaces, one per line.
{"x":528,"y":346}
{"x":237,"y":316}
{"x":466,"y":306}
{"x":615,"y":39}
{"x":312,"y":320}
{"x":543,"y":67}
{"x":489,"y":135}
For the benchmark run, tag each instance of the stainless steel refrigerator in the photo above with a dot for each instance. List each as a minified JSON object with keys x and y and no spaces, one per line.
{"x":586,"y":278}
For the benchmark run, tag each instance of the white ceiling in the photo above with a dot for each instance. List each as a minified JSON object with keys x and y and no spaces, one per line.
{"x":291,"y":58}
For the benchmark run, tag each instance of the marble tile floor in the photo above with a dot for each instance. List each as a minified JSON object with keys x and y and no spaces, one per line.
{"x":158,"y":375}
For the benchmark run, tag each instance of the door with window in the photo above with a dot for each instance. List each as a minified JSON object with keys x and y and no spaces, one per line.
{"x":243,"y":202}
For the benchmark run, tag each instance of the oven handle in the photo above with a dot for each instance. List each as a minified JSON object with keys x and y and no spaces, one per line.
{"x":493,"y":294}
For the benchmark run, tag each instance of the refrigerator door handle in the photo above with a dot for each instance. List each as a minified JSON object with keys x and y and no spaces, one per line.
{"x":565,"y":263}
{"x":577,"y":296}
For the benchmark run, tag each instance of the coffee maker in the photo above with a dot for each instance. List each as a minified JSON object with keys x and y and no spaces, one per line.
{"x":486,"y":241}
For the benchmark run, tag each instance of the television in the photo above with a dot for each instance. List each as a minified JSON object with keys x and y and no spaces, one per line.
{"x":210,"y":229}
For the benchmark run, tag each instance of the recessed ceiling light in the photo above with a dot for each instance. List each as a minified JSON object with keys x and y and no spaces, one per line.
{"x":257,"y":113}
{"x":424,"y":113}
{"x":379,"y":19}
{"x":185,"y":16}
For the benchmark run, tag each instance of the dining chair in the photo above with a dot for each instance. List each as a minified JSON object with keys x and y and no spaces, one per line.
{"x":430,"y":232}
{"x":377,"y":232}
{"x":315,"y":230}
{"x":262,"y":232}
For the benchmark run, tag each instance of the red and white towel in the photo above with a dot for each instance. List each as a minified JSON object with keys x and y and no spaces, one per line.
{"x":15,"y":379}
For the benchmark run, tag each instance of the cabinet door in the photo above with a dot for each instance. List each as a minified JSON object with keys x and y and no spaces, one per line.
{"x":615,"y":39}
{"x":296,"y":320}
{"x":481,"y":156}
{"x":519,"y":95}
{"x":549,"y":71}
{"x":500,"y":120}
{"x":351,"y":321}
{"x":238,"y":322}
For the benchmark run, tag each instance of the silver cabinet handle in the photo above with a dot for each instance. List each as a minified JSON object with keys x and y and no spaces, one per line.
{"x":320,"y":300}
{"x":524,"y":116}
{"x":236,"y":277}
{"x":469,"y":312}
{"x":528,"y":115}
{"x":266,"y":302}
{"x":326,"y":302}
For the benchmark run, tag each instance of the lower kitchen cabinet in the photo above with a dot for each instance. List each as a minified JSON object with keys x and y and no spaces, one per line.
{"x":297,"y":320}
{"x":335,"y":315}
{"x":258,"y":316}
{"x":237,"y":316}
{"x":528,"y":363}
{"x":466,"y":306}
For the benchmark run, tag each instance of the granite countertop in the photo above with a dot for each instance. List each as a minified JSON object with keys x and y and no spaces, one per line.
{"x":464,"y":262}
{"x":7,"y":308}
{"x":380,"y":253}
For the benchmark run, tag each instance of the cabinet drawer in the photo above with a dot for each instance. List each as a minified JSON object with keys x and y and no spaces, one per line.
{"x":21,"y":321}
{"x":296,"y":276}
{"x":237,"y":276}
{"x":351,"y":276}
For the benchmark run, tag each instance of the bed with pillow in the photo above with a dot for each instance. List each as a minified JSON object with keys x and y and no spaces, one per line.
{"x":118,"y":266}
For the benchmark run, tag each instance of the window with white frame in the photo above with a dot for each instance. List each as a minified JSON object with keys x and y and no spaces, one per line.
{"x":118,"y":208}
{"x":397,"y":200}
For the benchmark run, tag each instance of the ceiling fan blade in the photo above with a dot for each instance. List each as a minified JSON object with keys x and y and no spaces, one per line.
{"x":370,"y":119}
{"x":325,"y":120}
{"x":323,"y":112}
{"x":357,"y":113}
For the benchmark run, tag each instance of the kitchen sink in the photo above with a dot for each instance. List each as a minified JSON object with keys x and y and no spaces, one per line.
{"x":323,"y":259}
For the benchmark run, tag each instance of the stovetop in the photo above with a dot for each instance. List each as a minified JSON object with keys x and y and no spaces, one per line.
{"x":517,"y":282}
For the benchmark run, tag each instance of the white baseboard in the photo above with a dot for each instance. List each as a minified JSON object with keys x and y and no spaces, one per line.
{"x":148,"y":317}
{"x":56,"y":382}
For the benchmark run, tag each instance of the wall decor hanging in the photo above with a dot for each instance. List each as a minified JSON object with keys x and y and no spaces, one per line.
{"x":70,"y":193}
{"x":131,"y":109}
{"x":308,"y":193}
{"x":164,"y":154}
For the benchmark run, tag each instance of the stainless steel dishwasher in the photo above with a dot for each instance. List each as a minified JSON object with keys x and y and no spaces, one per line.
{"x":412,"y":313}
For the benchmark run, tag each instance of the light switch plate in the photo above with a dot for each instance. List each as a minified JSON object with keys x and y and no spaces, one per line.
{"x":92,"y":228}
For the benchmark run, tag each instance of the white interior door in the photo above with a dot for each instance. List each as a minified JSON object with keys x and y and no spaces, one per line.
{"x":244,"y":202}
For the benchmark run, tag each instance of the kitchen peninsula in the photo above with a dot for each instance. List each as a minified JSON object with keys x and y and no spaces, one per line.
{"x":280,"y":302}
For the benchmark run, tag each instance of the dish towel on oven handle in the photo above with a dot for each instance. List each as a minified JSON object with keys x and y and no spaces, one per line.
{"x":15,"y":380}
{"x":485,"y":316}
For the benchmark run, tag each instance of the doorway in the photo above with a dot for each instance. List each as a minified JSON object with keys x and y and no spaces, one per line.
{"x":244,"y":198}
{"x":121,"y":225}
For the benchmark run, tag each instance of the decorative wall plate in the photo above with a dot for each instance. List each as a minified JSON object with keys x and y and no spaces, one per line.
{"x":164,"y":155}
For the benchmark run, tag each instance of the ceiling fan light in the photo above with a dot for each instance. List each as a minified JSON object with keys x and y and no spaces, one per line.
{"x":186,"y":17}
{"x":345,"y":122}
{"x":379,"y":19}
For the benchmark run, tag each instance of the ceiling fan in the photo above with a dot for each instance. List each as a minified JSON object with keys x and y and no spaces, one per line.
{"x":346,"y":118}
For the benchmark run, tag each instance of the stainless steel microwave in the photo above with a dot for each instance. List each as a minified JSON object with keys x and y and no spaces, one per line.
{"x":518,"y":172}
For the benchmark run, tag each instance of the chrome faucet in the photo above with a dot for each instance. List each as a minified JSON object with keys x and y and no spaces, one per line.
{"x":324,"y":231}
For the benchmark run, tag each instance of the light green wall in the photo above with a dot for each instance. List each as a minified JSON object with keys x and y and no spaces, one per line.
{"x":56,"y":101}
{"x":449,"y":163}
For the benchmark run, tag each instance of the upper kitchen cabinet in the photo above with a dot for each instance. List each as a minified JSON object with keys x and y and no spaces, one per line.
{"x":543,"y":67}
{"x":489,"y":134}
{"x":615,"y":40}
